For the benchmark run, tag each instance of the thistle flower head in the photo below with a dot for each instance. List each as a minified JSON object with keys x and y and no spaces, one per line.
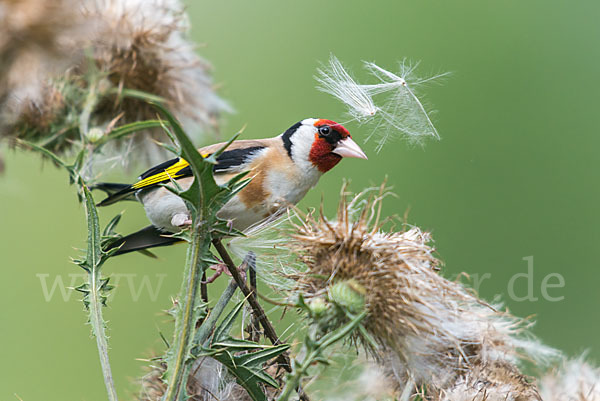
{"x":142,"y":45}
{"x":390,"y":106}
{"x":132,"y":44}
{"x":427,"y":330}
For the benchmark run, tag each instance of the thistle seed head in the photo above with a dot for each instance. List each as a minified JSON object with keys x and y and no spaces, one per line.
{"x":498,"y":381}
{"x":52,"y":92}
{"x":429,"y":331}
{"x":142,"y":45}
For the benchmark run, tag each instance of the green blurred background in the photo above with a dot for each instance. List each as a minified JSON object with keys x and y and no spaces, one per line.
{"x":514,"y":176}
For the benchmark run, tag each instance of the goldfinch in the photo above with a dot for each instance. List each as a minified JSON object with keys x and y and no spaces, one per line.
{"x":282,"y":170}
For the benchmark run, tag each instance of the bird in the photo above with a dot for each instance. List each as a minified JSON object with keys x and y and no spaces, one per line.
{"x":281,"y":169}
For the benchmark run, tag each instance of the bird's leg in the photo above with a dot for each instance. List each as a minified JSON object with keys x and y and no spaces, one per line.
{"x":181,"y":220}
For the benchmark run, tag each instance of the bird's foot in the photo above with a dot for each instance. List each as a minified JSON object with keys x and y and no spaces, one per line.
{"x":230,"y":225}
{"x":181,"y":220}
{"x":221,"y":268}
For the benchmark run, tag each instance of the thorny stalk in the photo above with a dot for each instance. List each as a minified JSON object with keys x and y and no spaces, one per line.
{"x":185,"y":324}
{"x":96,"y":288}
{"x":96,"y":285}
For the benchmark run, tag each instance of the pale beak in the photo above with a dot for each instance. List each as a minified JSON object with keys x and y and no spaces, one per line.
{"x":348,"y":148}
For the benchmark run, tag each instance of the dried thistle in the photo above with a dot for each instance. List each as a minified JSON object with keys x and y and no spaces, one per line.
{"x":132,"y":44}
{"x":428,"y":331}
{"x":498,"y":381}
{"x":364,"y":380}
{"x":142,"y":45}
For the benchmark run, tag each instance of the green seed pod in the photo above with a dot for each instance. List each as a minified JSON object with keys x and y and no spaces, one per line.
{"x":94,"y":134}
{"x":318,"y":307}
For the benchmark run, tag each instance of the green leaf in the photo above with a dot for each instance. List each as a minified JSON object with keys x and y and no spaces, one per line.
{"x":222,"y":330}
{"x":130,"y":128}
{"x":96,"y":289}
{"x":248,"y":367}
{"x":46,"y":153}
{"x":213,"y":157}
{"x":245,"y":376}
{"x":256,"y":359}
{"x":94,"y":248}
{"x":137,"y":94}
{"x":238,"y":344}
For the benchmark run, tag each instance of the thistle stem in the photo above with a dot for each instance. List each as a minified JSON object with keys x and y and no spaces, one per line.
{"x":92,"y":265}
{"x":186,"y":316}
{"x":209,"y":324}
{"x":254,"y":325}
{"x":99,"y":331}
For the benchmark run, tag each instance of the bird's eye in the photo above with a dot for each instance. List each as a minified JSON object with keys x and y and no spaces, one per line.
{"x":324,"y":130}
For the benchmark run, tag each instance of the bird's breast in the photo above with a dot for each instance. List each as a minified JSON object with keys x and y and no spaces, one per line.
{"x":269,"y":190}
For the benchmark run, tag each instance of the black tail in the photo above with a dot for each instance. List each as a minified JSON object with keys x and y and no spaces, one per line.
{"x":149,"y":237}
{"x":115,"y":192}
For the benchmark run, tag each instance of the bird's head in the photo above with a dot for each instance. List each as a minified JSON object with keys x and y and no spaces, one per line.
{"x":320,"y":143}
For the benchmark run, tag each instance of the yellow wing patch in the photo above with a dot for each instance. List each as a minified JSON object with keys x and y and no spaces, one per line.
{"x":169,"y":173}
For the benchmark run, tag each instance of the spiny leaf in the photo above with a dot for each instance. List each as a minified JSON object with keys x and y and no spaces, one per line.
{"x":245,"y":377}
{"x":238,"y":344}
{"x":94,"y":249}
{"x":212,"y":159}
{"x":110,"y":227}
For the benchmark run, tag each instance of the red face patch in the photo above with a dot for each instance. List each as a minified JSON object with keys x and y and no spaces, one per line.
{"x":321,"y":150}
